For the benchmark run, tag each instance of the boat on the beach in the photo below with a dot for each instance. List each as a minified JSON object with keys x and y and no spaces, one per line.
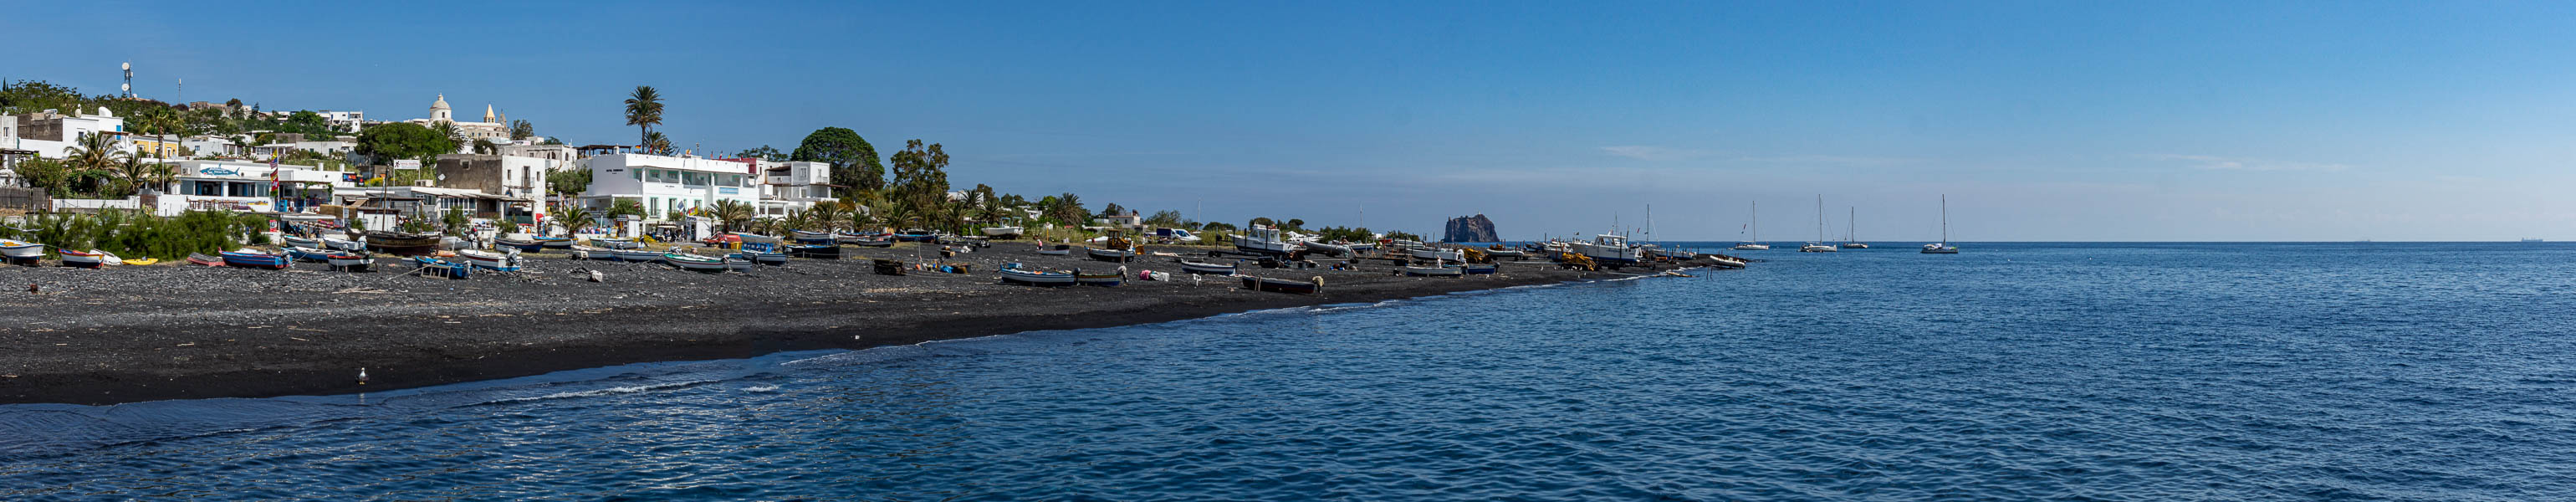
{"x":402,"y":243}
{"x":583,"y":252}
{"x":615,"y":243}
{"x":638,"y":255}
{"x":923,"y":236}
{"x":344,"y":244}
{"x":815,"y":251}
{"x":1435,"y":271}
{"x":1326,"y":248}
{"x":762,"y":255}
{"x":813,"y":237}
{"x":1111,"y":255}
{"x":306,"y":254}
{"x":1609,"y":250}
{"x":83,"y":259}
{"x":1484,"y":269}
{"x":250,"y":258}
{"x":432,"y":266}
{"x":1003,"y":232}
{"x":1263,"y":239}
{"x":1498,"y":252}
{"x":553,"y":242}
{"x":1283,"y":285}
{"x":22,"y":252}
{"x":1056,"y":250}
{"x":350,"y":261}
{"x":202,"y":259}
{"x":488,"y":260}
{"x":695,"y":262}
{"x":1944,"y":246}
{"x":522,"y":246}
{"x":1436,"y":254}
{"x":1108,"y":279}
{"x":1015,"y":273}
{"x":863,"y":240}
{"x":1207,"y":268}
{"x":300,"y":241}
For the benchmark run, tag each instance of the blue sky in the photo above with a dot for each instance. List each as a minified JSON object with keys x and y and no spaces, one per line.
{"x":2041,"y":120}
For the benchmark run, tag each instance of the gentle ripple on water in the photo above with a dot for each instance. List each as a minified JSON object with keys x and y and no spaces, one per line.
{"x":2031,"y":371}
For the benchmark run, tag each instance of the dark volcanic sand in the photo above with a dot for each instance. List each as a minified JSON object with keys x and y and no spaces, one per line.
{"x":127,"y":334}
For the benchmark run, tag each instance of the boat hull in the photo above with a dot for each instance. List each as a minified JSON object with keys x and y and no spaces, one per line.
{"x":490,"y":261}
{"x":78,"y":259}
{"x":695,"y":263}
{"x":22,"y":252}
{"x":1281,"y":285}
{"x":637,"y":255}
{"x":343,"y":244}
{"x":1015,"y":276}
{"x":1002,"y":232}
{"x":1434,"y":271}
{"x":402,"y":244}
{"x":1111,"y":255}
{"x":255,"y":260}
{"x":818,"y":251}
{"x":522,"y":246}
{"x":1207,"y":268}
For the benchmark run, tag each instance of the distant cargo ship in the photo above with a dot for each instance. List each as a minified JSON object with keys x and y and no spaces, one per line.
{"x":2531,"y":240}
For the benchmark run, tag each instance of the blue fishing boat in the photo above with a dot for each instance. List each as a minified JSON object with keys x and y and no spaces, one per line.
{"x":433,"y":267}
{"x":523,"y":246}
{"x":553,"y":242}
{"x":249,"y":258}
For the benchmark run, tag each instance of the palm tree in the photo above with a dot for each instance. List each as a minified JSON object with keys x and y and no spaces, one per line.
{"x":1067,"y":209}
{"x":485,"y":146}
{"x":573,"y":218}
{"x":827,"y":214}
{"x":94,"y":157}
{"x":731,"y":213}
{"x":455,"y":137}
{"x":863,"y":217}
{"x":644,"y":110}
{"x":656,"y":143}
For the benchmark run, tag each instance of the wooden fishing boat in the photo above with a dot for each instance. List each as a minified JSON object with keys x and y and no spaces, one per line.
{"x":1108,"y":279}
{"x":638,"y":255}
{"x":22,"y":252}
{"x":1015,"y":274}
{"x":615,"y":243}
{"x":306,"y":254}
{"x":1111,"y":255}
{"x":1485,"y":269}
{"x":351,"y":262}
{"x":522,"y":246}
{"x":920,"y":237}
{"x":83,"y":259}
{"x":1283,"y":285}
{"x":431,"y":266}
{"x":1207,"y":268}
{"x":553,"y":242}
{"x":1004,"y":233}
{"x":1056,"y":250}
{"x":298,"y":241}
{"x":344,"y":244}
{"x":1437,"y":254}
{"x":1499,"y":253}
{"x":249,"y":258}
{"x":202,"y":259}
{"x":694,"y":262}
{"x":493,"y":261}
{"x":402,"y":243}
{"x":815,"y":251}
{"x":1435,"y":271}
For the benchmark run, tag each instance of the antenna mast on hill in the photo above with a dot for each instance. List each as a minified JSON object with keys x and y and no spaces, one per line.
{"x":129,"y":80}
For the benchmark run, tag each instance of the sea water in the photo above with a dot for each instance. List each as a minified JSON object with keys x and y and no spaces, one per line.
{"x":2377,"y":371}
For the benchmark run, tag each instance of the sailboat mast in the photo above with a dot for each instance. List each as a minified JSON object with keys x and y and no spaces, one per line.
{"x":1820,"y":218}
{"x":1945,"y":218}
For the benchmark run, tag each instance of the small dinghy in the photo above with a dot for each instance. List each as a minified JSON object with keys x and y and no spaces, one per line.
{"x":813,"y":237}
{"x":1056,"y":250}
{"x":431,"y":266}
{"x":202,"y":259}
{"x":1017,"y":274}
{"x":301,"y":242}
{"x":695,"y":262}
{"x":1486,"y":269}
{"x":638,"y":255}
{"x":614,"y":243}
{"x":487,"y":260}
{"x":306,"y":254}
{"x":1109,"y":279}
{"x":250,"y":258}
{"x":22,"y":252}
{"x":1434,"y":271}
{"x":83,"y":259}
{"x":1207,"y":268}
{"x":762,"y":254}
{"x":1283,"y":285}
{"x":581,"y":252}
{"x":553,"y":242}
{"x":351,"y":262}
{"x":1328,"y":249}
{"x":344,"y":244}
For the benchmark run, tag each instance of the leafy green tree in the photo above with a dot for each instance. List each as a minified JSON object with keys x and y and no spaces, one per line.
{"x":765,"y":152}
{"x":656,"y":143}
{"x":625,"y":207}
{"x":1113,"y":209}
{"x":400,"y":140}
{"x":569,"y":182}
{"x":854,"y":161}
{"x":732,"y":213}
{"x":486,"y":147}
{"x":1067,"y":209}
{"x":521,"y":129}
{"x":920,"y":173}
{"x":572,"y":217}
{"x":30,"y":96}
{"x":454,"y":222}
{"x":48,"y":174}
{"x":1165,"y":218}
{"x":455,"y":137}
{"x":644,"y":110}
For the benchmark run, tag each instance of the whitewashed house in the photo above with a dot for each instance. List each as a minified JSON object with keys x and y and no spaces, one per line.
{"x":665,"y":184}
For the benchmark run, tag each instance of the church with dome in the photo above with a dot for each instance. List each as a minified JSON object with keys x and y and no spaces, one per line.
{"x":494,"y":126}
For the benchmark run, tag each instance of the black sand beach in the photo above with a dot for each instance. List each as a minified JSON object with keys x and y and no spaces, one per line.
{"x":131,"y":334}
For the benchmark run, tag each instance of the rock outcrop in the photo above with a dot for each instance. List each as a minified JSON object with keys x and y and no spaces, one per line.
{"x":1470,"y":229}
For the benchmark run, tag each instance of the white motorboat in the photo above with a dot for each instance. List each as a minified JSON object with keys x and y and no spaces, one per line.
{"x":1329,"y":249}
{"x":22,"y":252}
{"x":1437,"y":254}
{"x":638,"y":255}
{"x":1207,"y":268}
{"x":1263,"y":239}
{"x":1609,"y":250}
{"x":1003,"y":232}
{"x":350,"y":245}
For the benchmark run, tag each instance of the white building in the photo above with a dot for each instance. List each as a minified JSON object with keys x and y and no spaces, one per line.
{"x":214,"y":146}
{"x":52,"y":134}
{"x":227,"y":185}
{"x":794,"y":186}
{"x":346,"y":121}
{"x":664,"y":184}
{"x":565,"y":154}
